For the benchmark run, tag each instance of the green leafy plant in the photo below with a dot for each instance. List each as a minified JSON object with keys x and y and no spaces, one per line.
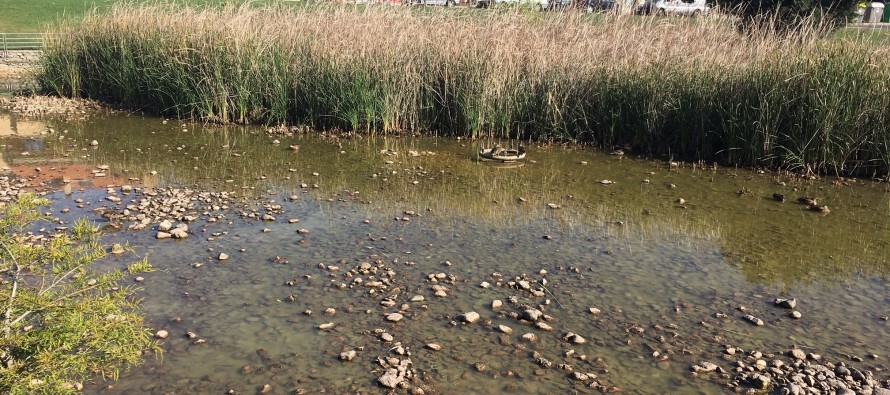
{"x":62,"y":321}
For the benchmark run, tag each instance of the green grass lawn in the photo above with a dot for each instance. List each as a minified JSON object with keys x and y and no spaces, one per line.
{"x":33,"y":16}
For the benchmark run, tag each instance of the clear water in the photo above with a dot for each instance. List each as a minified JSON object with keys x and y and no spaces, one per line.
{"x":628,"y":248}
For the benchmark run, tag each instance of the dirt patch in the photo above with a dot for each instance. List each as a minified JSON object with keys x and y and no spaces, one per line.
{"x":49,"y":105}
{"x":19,"y":64}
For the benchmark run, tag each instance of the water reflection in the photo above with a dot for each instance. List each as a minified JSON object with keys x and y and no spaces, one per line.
{"x":630,"y":248}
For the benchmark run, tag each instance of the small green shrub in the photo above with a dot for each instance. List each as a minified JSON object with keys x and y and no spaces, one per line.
{"x":61,"y":321}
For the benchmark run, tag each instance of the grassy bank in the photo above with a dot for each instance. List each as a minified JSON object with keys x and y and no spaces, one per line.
{"x":36,"y":16}
{"x":690,"y":89}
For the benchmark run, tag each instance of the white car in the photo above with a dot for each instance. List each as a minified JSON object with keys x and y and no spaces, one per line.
{"x":677,"y":7}
{"x":542,"y":5}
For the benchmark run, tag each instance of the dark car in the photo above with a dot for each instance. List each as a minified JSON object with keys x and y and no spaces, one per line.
{"x":599,"y":5}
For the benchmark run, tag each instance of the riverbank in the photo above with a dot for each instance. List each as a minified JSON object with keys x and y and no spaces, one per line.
{"x":693,"y":90}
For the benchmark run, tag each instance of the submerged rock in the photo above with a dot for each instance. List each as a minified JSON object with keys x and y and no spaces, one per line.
{"x":752,"y":319}
{"x":470,"y":317}
{"x":786,"y":303}
{"x":390,"y":379}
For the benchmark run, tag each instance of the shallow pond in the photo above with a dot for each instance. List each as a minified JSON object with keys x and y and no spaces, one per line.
{"x":668,"y":275}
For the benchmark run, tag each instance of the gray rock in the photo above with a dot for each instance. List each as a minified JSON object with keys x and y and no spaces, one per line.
{"x":705,"y":367}
{"x":165,"y":225}
{"x":786,"y":303}
{"x":433,"y":346}
{"x":163,"y":235}
{"x":845,"y":391}
{"x":386,"y":337}
{"x":752,"y":319}
{"x":347,"y":356}
{"x":223,"y":256}
{"x":394,"y":317}
{"x":179,"y":233}
{"x":761,"y":382}
{"x":390,"y":379}
{"x":470,"y":317}
{"x":797,"y":354}
{"x":580,"y":376}
{"x":532,"y":315}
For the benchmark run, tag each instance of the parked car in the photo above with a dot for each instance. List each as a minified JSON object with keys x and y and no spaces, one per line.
{"x":446,"y":3}
{"x":599,"y":5}
{"x":542,"y":5}
{"x":677,"y":7}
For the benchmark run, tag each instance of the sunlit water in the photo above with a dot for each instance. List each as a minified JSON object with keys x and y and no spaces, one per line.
{"x":662,"y":273}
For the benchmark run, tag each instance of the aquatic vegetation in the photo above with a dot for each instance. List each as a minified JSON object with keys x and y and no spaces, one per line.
{"x":690,"y":89}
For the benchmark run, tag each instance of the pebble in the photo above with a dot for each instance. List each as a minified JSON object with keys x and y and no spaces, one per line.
{"x":795,"y":314}
{"x":394,"y":317}
{"x":580,"y":376}
{"x":752,"y":319}
{"x":347,"y":355}
{"x":390,"y":379}
{"x":530,"y":337}
{"x":786,"y":303}
{"x":417,"y":298}
{"x":705,"y":367}
{"x":386,"y":337}
{"x":505,"y":329}
{"x":532,"y":315}
{"x":496,"y":304}
{"x":223,"y":256}
{"x":433,"y":346}
{"x":326,"y":326}
{"x":470,"y":317}
{"x":162,"y":334}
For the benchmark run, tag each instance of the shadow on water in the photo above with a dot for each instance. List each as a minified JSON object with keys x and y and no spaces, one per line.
{"x":668,"y":276}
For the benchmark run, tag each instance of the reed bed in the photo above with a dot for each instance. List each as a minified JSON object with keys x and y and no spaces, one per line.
{"x":692,"y":89}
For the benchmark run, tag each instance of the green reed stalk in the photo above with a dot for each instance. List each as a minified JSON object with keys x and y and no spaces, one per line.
{"x":694,"y":90}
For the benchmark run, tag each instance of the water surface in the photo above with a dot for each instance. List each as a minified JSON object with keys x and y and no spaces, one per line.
{"x":663,"y":273}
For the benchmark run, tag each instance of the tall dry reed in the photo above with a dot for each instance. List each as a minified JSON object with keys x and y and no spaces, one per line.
{"x":690,"y":88}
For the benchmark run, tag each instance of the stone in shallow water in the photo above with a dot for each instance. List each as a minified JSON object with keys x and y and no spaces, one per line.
{"x":752,"y":319}
{"x":470,"y":317}
{"x":347,"y":355}
{"x":786,"y":303}
{"x":390,"y":379}
{"x":394,"y":317}
{"x":797,"y":354}
{"x":532,"y":315}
